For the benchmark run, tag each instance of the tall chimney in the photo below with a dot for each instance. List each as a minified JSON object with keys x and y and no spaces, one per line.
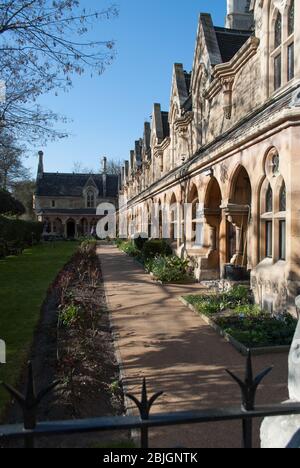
{"x":41,"y":165}
{"x":104,"y":165}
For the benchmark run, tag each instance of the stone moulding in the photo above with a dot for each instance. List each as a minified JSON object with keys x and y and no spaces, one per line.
{"x":225,"y":73}
{"x":236,"y":344}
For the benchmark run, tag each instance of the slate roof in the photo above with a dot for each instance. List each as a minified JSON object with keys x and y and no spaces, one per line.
{"x":72,"y":185}
{"x":188,"y":79}
{"x":80,"y":211}
{"x":166,"y":125}
{"x":231,"y":41}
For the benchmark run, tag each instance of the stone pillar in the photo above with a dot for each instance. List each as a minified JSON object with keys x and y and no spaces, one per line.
{"x":213,"y":237}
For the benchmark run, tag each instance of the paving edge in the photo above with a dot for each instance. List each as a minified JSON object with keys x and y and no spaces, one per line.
{"x":128,"y":404}
{"x":236,"y":344}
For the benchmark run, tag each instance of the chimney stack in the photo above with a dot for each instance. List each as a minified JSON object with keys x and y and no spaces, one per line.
{"x":104,"y":165}
{"x":41,"y":165}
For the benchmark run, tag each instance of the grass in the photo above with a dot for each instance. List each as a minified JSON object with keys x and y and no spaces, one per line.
{"x":24,"y":281}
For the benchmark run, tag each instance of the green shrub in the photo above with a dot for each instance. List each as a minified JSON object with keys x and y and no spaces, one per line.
{"x":155,"y":247}
{"x":87,"y":248}
{"x":140,"y":241}
{"x":70,"y":315}
{"x":236,"y":297}
{"x":168,"y":269}
{"x":22,"y":232}
{"x":130,"y":249}
{"x":255,"y":328}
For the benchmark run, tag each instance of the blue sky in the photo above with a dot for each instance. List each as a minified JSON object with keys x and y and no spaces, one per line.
{"x":108,"y":112}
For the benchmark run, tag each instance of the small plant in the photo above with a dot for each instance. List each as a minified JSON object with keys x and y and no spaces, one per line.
{"x":114,"y":387}
{"x":168,"y":269}
{"x":130,"y":249}
{"x":153,"y":248}
{"x":70,"y":315}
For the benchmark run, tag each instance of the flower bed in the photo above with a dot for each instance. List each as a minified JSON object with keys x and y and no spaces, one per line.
{"x":156,"y":256}
{"x":245,"y":325}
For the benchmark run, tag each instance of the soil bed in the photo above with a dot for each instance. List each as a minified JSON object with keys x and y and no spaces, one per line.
{"x":76,"y":348}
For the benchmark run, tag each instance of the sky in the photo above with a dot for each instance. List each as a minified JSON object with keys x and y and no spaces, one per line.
{"x":107,"y":112}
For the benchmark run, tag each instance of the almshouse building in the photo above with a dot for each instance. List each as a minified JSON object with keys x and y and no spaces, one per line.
{"x":67,"y":203}
{"x":230,"y":146}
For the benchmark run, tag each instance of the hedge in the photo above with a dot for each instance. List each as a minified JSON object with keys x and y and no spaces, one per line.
{"x":23,"y":232}
{"x":156,"y":247}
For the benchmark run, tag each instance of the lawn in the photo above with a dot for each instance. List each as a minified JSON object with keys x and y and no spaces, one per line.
{"x":24,"y":281}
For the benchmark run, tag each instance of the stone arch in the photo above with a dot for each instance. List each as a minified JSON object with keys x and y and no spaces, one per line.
{"x":71,"y":228}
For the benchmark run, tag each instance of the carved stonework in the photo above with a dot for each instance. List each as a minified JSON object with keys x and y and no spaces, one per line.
{"x":227,"y":85}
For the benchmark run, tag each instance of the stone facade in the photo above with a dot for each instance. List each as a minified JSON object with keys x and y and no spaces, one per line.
{"x":67,"y":203}
{"x":229,"y":145}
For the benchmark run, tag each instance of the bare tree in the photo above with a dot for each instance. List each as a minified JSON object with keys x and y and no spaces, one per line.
{"x":11,"y":164}
{"x":79,"y":168}
{"x":42,"y":45}
{"x":114,"y":167}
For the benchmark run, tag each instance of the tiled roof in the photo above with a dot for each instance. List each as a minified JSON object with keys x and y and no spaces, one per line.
{"x":230,"y":41}
{"x":72,"y":185}
{"x":166,"y":125}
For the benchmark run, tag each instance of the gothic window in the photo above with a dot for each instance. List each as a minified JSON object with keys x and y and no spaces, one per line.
{"x":282,"y":240}
{"x":269,"y":200}
{"x":282,"y":198}
{"x":277,"y":72}
{"x":90,"y":199}
{"x":291,"y":62}
{"x":275,"y":164}
{"x":291,"y":18}
{"x":278,"y":30}
{"x":282,"y":46}
{"x":269,"y":239}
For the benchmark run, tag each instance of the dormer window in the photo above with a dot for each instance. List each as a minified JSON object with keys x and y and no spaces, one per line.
{"x":282,"y":46}
{"x":90,"y":198}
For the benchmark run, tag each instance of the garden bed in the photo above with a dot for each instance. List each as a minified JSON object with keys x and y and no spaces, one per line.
{"x":243,"y":324}
{"x":157,"y":259}
{"x":74,"y":345}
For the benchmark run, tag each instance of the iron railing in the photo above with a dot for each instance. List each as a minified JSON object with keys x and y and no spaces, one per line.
{"x":31,"y":429}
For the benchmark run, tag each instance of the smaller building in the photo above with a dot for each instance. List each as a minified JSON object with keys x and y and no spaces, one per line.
{"x":67,"y":203}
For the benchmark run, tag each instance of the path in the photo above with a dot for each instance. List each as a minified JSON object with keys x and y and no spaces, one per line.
{"x":161,"y":339}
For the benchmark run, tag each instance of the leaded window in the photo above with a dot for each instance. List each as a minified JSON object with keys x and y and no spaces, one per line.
{"x":269,"y":200}
{"x":291,"y":18}
{"x":282,"y":240}
{"x":90,"y":199}
{"x":282,"y":198}
{"x":291,"y":62}
{"x":277,"y":72}
{"x":278,"y":30}
{"x":269,"y":239}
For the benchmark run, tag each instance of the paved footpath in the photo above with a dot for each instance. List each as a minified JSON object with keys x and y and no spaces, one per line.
{"x":161,"y":339}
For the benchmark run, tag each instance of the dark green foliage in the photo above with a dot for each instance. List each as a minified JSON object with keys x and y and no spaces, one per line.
{"x":168,"y":269}
{"x":9,"y":205}
{"x":213,"y":304}
{"x":24,"y":233}
{"x":261,"y":329}
{"x":140,"y":241}
{"x":155,"y":247}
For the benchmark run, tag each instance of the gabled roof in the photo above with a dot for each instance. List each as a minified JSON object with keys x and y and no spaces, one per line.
{"x":230,"y":41}
{"x":72,"y":185}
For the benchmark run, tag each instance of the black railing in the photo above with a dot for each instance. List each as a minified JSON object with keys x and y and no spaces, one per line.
{"x":31,"y":429}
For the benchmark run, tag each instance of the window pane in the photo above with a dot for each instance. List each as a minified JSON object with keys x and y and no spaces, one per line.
{"x":269,"y":239}
{"x":282,"y":201}
{"x":278,"y":30}
{"x":269,"y":200}
{"x":277,"y":72}
{"x":291,"y":70}
{"x":291,"y":18}
{"x":282,"y":240}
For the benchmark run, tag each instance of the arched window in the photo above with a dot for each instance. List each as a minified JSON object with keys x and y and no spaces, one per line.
{"x":269,"y":200}
{"x":282,"y":198}
{"x":282,"y":223}
{"x":90,"y":198}
{"x":290,"y":45}
{"x":291,"y":18}
{"x":278,"y":30}
{"x":282,"y":46}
